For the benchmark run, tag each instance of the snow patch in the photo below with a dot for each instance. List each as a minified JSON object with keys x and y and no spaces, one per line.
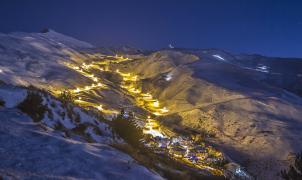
{"x":217,"y":56}
{"x":12,"y":96}
{"x":262,"y":68}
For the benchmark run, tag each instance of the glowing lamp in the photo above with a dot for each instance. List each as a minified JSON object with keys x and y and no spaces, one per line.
{"x":157,"y":113}
{"x":95,"y":79}
{"x":100,"y":107}
{"x":164,"y":110}
{"x":77,"y":90}
{"x":156,"y":104}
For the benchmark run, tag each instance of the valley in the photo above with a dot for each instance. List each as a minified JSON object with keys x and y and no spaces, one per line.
{"x":157,"y":138}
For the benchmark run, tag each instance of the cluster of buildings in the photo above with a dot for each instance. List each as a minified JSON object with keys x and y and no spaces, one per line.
{"x":188,"y":151}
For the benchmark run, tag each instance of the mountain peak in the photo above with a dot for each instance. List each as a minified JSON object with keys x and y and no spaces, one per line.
{"x":65,"y":39}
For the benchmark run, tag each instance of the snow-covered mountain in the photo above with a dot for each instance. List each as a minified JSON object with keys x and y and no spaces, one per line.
{"x":41,"y":137}
{"x":252,"y":108}
{"x":248,"y":106}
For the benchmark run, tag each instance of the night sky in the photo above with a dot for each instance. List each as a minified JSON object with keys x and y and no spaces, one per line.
{"x":268,"y":27}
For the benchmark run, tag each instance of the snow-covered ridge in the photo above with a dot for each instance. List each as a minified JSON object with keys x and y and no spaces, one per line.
{"x":219,"y":57}
{"x":37,"y":58}
{"x":63,"y":39}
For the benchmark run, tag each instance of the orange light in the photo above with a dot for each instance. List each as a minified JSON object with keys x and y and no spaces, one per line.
{"x":95,"y":79}
{"x":156,"y":104}
{"x":100,"y":107}
{"x":77,"y":90}
{"x":164,"y":110}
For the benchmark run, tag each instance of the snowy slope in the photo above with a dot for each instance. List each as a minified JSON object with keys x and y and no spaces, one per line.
{"x":12,"y":96}
{"x":46,"y":151}
{"x":37,"y":58}
{"x":45,"y":155}
{"x":62,"y":39}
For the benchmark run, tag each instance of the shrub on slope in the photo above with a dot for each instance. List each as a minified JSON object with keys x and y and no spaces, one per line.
{"x":33,"y":106}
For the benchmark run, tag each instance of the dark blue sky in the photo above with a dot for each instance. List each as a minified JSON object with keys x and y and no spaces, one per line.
{"x":268,"y":27}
